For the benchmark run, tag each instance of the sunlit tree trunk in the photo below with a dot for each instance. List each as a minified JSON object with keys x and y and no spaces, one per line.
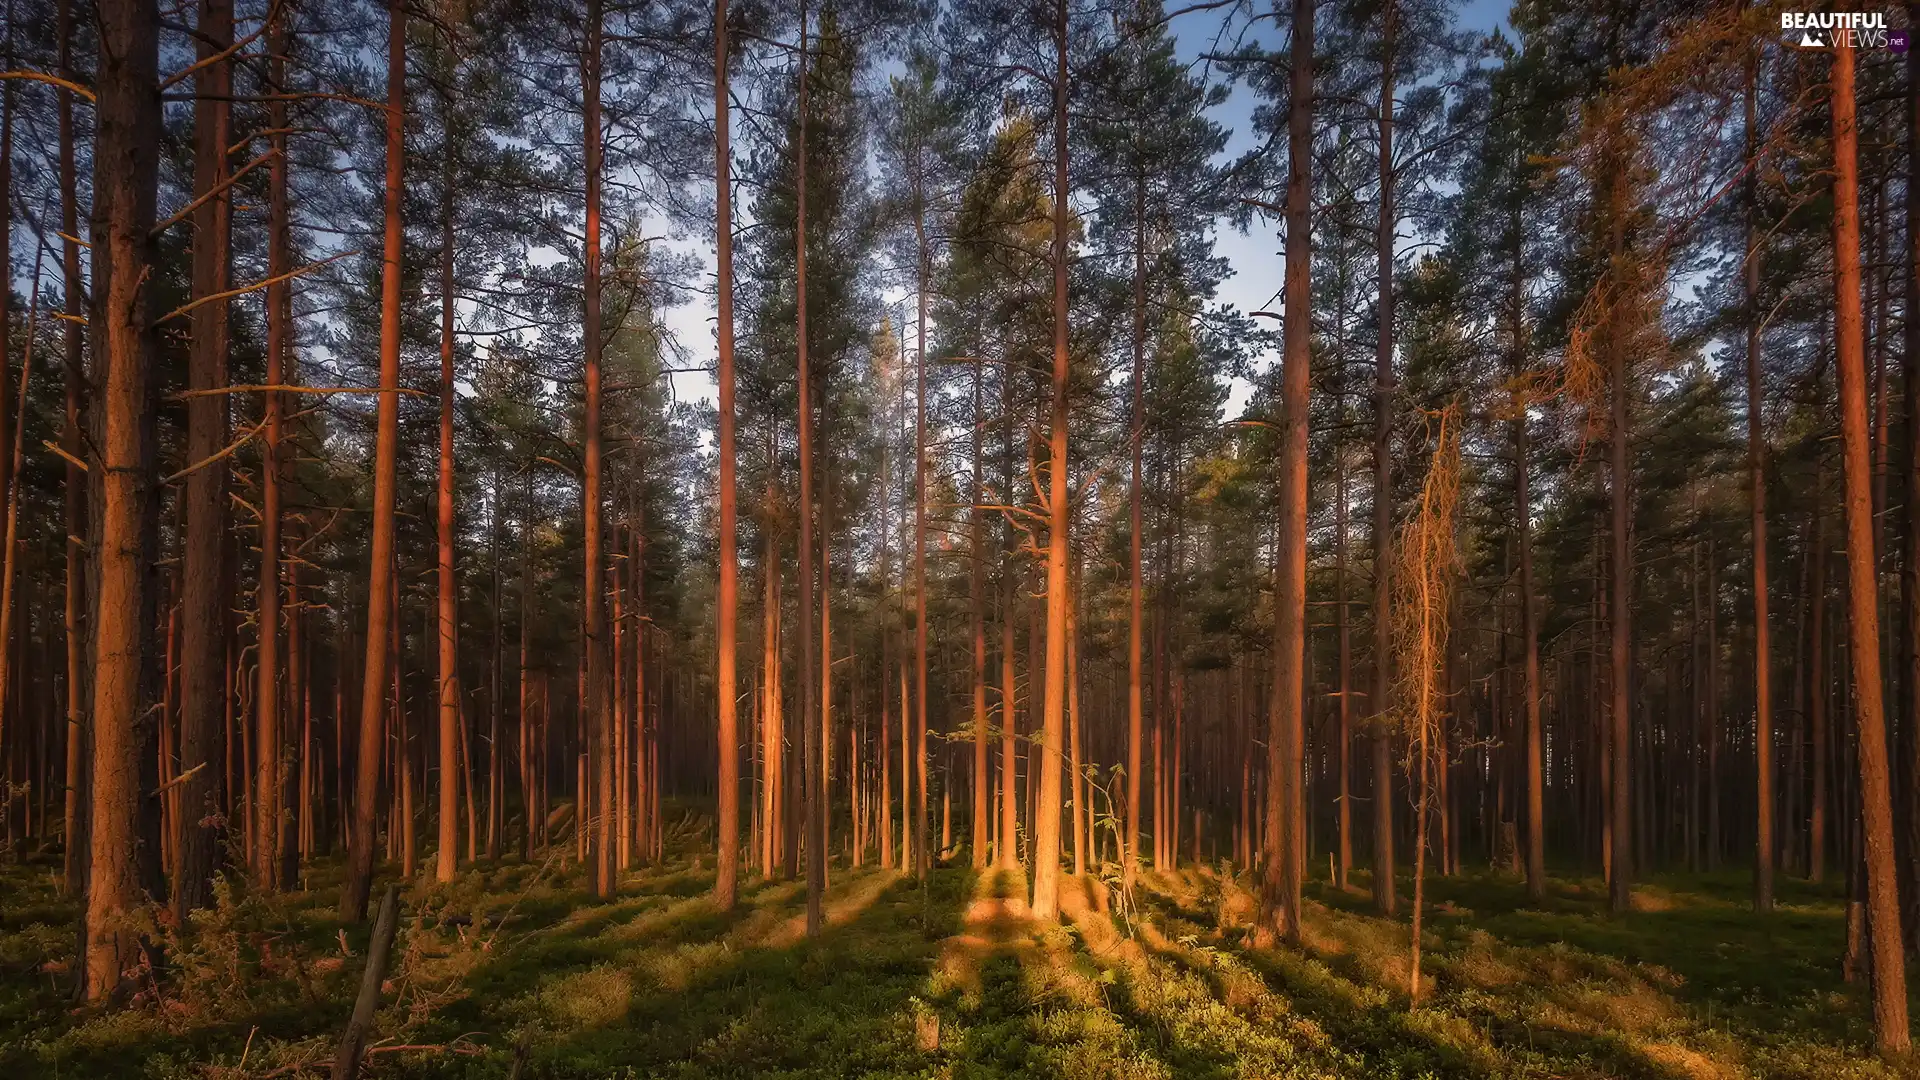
{"x":728,"y":868}
{"x":374,"y":672}
{"x":124,"y":487}
{"x":773,"y":720}
{"x":1286,"y":809}
{"x":922,"y":857}
{"x":1876,"y":798}
{"x":1046,"y":831}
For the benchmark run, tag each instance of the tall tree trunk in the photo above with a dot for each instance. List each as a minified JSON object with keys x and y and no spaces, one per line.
{"x":618,"y":709}
{"x":728,"y":868}
{"x":281,"y":368}
{"x":1076,"y":790}
{"x":816,"y":814}
{"x":1620,"y":878}
{"x":1046,"y":857}
{"x":594,"y":700}
{"x":496,"y":660}
{"x":380,"y":628}
{"x":1764,"y":853}
{"x":1883,"y":901}
{"x":1286,"y":809}
{"x":1383,"y":390}
{"x":6,"y":309}
{"x":922,"y":857}
{"x":1817,"y":698}
{"x":1343,"y":644}
{"x":1529,"y":611}
{"x":638,"y":559}
{"x":773,"y":724}
{"x":1136,"y":590}
{"x":10,"y":572}
{"x":533,"y":757}
{"x":203,"y":576}
{"x":1007,"y":851}
{"x":1910,"y":360}
{"x":1712,"y":716}
{"x":976,"y":592}
{"x":124,"y":537}
{"x":825,"y":532}
{"x":447,"y":591}
{"x":75,"y":480}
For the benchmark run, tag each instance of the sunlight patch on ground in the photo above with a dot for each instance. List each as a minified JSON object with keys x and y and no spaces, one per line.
{"x":843,"y":902}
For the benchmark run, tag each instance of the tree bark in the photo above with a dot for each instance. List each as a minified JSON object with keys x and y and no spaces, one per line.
{"x":122,"y":473}
{"x":447,"y":595}
{"x":599,"y":730}
{"x":1817,"y":700}
{"x":976,"y":592}
{"x":1286,"y":809}
{"x":203,"y":570}
{"x":727,"y":869}
{"x":1876,"y":799}
{"x":1076,"y":790}
{"x":1046,"y":857}
{"x":1006,"y":855}
{"x":75,"y":480}
{"x":1136,"y":589}
{"x":1910,"y":359}
{"x":1529,"y":611}
{"x":1620,"y":877}
{"x":1383,"y":389}
{"x":816,"y":815}
{"x":380,"y":629}
{"x":1764,"y":852}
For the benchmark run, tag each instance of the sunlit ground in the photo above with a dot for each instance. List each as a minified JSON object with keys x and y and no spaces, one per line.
{"x":520,"y":971}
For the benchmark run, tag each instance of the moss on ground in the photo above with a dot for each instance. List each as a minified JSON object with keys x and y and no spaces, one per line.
{"x":520,"y":966}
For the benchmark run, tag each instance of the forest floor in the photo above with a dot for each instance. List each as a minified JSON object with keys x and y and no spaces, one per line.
{"x":517,"y":970}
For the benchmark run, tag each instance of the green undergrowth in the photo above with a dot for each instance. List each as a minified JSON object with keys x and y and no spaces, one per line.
{"x":517,"y":969}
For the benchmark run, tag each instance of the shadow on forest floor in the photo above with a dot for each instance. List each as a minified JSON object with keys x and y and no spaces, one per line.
{"x":953,"y":978}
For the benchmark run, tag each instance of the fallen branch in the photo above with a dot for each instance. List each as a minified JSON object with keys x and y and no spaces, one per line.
{"x":346,"y":1060}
